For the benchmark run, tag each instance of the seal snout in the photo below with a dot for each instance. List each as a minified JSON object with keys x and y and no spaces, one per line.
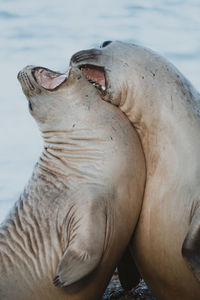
{"x":87,"y":62}
{"x":34,"y":79}
{"x":25,"y":80}
{"x":80,"y":56}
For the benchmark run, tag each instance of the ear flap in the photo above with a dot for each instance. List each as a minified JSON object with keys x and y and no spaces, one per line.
{"x":85,"y":248}
{"x":191,"y":245}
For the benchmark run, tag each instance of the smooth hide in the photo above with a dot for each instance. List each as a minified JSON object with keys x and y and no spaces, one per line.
{"x":164,"y":108}
{"x":71,"y":225}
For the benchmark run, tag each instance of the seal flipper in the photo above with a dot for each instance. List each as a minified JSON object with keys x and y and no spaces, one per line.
{"x":129,"y":275}
{"x":85,"y":249}
{"x":191,"y":245}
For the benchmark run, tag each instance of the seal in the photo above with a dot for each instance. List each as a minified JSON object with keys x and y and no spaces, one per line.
{"x":165,"y":109}
{"x":70,"y":226}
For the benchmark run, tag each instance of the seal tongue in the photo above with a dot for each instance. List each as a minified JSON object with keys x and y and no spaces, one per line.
{"x":49,"y":79}
{"x":94,"y":75}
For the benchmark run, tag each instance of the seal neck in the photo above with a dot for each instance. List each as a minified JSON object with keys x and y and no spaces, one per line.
{"x":163,"y":109}
{"x":72,"y":153}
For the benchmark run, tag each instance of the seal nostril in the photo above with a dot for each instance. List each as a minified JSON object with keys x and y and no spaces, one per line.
{"x":19,"y":75}
{"x":105,"y":43}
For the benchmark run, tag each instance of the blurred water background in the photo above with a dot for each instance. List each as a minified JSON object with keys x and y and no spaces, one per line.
{"x":48,"y":32}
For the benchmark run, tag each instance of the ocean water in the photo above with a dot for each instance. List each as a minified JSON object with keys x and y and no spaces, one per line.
{"x":48,"y":32}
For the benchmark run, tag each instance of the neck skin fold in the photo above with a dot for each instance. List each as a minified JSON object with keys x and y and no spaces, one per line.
{"x":74,"y":153}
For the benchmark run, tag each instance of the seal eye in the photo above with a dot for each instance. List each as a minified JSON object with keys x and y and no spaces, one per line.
{"x":106,"y":43}
{"x":30,"y":105}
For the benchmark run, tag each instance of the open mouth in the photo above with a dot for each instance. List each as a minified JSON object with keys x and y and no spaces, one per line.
{"x":48,"y":79}
{"x":95,"y":75}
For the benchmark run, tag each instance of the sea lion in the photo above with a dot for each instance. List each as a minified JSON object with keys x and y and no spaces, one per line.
{"x":68,"y":230}
{"x":165,"y":109}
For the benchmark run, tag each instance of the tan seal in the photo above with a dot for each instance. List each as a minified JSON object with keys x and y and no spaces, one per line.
{"x":68,"y":230}
{"x":165,"y":110}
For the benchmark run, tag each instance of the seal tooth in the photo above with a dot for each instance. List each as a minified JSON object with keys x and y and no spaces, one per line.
{"x":86,"y":71}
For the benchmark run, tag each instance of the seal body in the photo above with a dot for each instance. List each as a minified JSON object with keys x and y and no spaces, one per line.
{"x":66,"y":233}
{"x":164,"y":108}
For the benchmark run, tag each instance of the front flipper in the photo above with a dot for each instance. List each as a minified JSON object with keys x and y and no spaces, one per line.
{"x":128,"y":272}
{"x":85,"y":249}
{"x":191,"y":245}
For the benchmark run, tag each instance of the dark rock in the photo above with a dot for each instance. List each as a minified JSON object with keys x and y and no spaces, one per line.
{"x":115,"y":291}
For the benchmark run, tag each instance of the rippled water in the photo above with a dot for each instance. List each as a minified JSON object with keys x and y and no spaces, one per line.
{"x":48,"y":32}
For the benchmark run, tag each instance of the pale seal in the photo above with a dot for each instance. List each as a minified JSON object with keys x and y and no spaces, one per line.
{"x":165,"y":110}
{"x":65,"y":235}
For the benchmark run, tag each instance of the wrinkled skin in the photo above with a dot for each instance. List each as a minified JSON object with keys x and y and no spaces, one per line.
{"x":164,"y":108}
{"x":66,"y":233}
